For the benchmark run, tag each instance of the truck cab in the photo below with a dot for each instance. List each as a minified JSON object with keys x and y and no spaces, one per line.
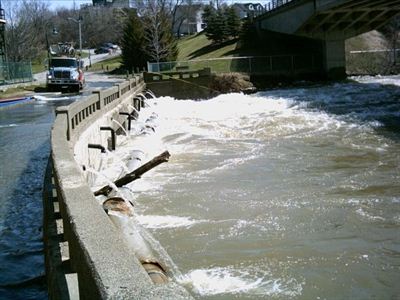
{"x":65,"y":74}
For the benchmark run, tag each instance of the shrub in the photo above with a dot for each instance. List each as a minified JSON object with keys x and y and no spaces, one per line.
{"x":231,"y":83}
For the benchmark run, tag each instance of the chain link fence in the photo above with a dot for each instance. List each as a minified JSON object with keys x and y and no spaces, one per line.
{"x":15,"y":72}
{"x":249,"y":64}
{"x":372,"y":62}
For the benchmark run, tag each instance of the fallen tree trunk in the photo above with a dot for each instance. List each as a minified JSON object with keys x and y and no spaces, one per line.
{"x":136,"y":174}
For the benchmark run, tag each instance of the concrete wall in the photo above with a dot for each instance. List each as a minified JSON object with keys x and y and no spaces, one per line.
{"x":288,"y":20}
{"x":181,"y":85}
{"x":331,"y":21}
{"x":98,"y":260}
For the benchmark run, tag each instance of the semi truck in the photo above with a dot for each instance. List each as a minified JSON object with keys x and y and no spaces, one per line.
{"x":65,"y":72}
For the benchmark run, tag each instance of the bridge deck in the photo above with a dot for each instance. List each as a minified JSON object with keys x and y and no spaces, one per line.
{"x":320,"y":18}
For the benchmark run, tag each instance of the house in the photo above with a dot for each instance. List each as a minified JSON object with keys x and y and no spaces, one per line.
{"x":244,"y":10}
{"x":112,"y":3}
{"x":188,"y":19}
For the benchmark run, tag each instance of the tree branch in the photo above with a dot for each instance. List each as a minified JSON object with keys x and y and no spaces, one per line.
{"x":136,"y":174}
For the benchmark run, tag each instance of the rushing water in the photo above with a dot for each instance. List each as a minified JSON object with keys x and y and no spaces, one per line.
{"x":286,"y":194}
{"x":24,"y":151}
{"x":291,"y":193}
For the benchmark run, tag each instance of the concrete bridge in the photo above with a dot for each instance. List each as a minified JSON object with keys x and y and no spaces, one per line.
{"x":330,"y":22}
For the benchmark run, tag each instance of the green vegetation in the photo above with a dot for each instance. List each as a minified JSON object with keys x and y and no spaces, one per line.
{"x":110,"y":64}
{"x":148,"y":37}
{"x":39,"y":63}
{"x":222,"y":24}
{"x":199,"y":47}
{"x":19,"y":91}
{"x":133,"y":54}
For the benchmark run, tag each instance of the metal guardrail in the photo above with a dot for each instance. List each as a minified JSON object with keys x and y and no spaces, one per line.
{"x":274,"y":4}
{"x":270,"y":6}
{"x":273,"y":64}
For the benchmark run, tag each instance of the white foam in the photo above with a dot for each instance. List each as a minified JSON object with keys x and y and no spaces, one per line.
{"x":158,"y":222}
{"x":229,"y":280}
{"x":49,"y":98}
{"x":8,"y":125}
{"x":369,"y":216}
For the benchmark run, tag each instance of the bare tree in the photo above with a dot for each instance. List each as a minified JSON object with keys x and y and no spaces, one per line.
{"x":392,"y":33}
{"x":26,"y":28}
{"x":160,"y":43}
{"x":186,"y":11}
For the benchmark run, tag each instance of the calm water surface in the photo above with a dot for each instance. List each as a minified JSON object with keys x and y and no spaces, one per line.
{"x":24,"y":151}
{"x":285,"y":194}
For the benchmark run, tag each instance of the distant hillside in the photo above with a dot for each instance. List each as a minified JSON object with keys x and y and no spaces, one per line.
{"x":373,"y":40}
{"x":373,"y":62}
{"x":199,"y":47}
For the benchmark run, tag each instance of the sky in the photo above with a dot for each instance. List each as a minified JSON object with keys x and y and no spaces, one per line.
{"x":54,"y":4}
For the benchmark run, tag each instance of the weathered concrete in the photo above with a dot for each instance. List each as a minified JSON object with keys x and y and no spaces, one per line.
{"x":183,"y":85}
{"x":93,"y":247}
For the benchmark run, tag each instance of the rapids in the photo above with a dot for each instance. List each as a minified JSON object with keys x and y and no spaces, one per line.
{"x":286,"y":194}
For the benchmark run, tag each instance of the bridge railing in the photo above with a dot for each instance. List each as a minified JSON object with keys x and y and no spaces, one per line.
{"x":270,"y":6}
{"x":254,"y":65}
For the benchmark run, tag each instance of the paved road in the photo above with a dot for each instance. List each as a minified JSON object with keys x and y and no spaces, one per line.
{"x":40,"y":78}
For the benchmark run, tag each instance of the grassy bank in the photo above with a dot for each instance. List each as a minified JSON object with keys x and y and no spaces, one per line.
{"x":20,"y":91}
{"x":109,"y":64}
{"x":199,"y":47}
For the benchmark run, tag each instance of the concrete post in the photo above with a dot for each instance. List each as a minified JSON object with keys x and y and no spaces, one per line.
{"x":335,"y":58}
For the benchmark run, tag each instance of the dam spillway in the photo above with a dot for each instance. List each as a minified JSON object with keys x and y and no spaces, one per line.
{"x":289,"y":193}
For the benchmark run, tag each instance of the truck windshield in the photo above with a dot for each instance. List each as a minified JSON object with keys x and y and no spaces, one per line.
{"x":68,"y":63}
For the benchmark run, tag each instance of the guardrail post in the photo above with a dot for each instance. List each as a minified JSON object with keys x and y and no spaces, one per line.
{"x":100,"y":103}
{"x":64,"y":110}
{"x":250,"y":64}
{"x":119,"y":89}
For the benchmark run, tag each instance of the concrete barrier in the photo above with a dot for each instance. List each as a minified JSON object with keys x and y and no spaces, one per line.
{"x":86,"y":256}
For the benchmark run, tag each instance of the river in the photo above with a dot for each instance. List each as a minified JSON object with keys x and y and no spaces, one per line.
{"x":24,"y":152}
{"x":285,"y":194}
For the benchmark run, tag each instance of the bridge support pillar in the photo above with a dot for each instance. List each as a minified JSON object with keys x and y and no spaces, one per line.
{"x":335,"y":58}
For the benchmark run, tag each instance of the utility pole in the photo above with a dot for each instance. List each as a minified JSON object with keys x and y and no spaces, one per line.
{"x":79,"y":21}
{"x":4,"y":71}
{"x":3,"y":57}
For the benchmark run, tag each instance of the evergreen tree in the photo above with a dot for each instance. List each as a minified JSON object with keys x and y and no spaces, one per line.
{"x":249,"y":37}
{"x":207,"y":13}
{"x":216,"y":29}
{"x":133,"y":44}
{"x":232,"y":22}
{"x":221,"y":24}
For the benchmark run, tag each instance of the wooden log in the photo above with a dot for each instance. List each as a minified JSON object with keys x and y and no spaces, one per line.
{"x":136,"y":174}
